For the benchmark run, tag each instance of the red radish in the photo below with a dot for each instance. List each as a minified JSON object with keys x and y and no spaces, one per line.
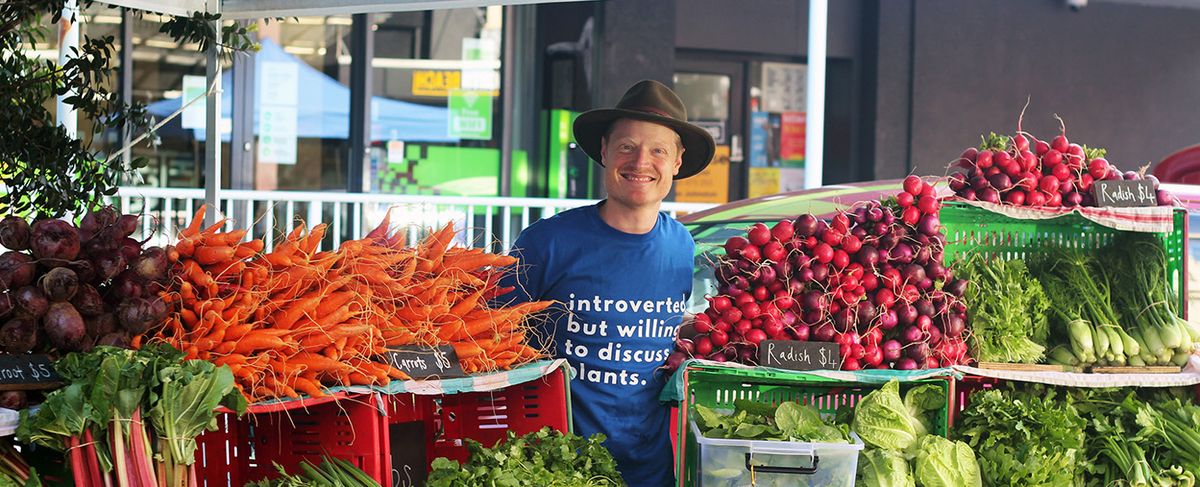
{"x":774,"y":251}
{"x":1074,"y":150}
{"x":702,"y":325}
{"x":1085,"y":182}
{"x":1062,"y":172}
{"x":1055,"y":199}
{"x":1072,"y":199}
{"x":1098,"y":167}
{"x":911,"y":215}
{"x":906,"y":364}
{"x":891,"y":350}
{"x":1052,"y":158}
{"x":851,"y":364}
{"x":1049,"y":183}
{"x":1028,"y":182}
{"x":870,"y":282}
{"x":999,"y":181}
{"x":719,"y":338}
{"x":928,"y":205}
{"x":805,"y":225}
{"x":1041,"y":147}
{"x":784,"y":300}
{"x":731,"y":315}
{"x":756,"y":336}
{"x":832,"y":237}
{"x":905,"y":199}
{"x":840,"y":259}
{"x":967,"y":158}
{"x":1035,"y":198}
{"x":913,"y":184}
{"x":743,"y":299}
{"x":987,"y":195}
{"x":823,"y":252}
{"x":751,"y":310}
{"x":1028,"y":161}
{"x":851,"y":244}
{"x":1066,"y":186}
{"x":928,"y":190}
{"x":983,"y":160}
{"x":1021,"y":143}
{"x":1060,"y":143}
{"x":1015,"y":197}
{"x":734,"y":244}
{"x":759,"y":234}
{"x":783,"y":230}
{"x":720,"y":303}
{"x":751,"y":253}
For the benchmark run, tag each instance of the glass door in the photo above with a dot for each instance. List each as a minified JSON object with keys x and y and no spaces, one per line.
{"x":714,"y":94}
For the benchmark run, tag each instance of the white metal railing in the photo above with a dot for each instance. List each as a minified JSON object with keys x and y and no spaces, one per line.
{"x":490,"y":222}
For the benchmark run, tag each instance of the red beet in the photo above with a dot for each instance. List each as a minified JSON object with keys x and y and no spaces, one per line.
{"x":54,"y":242}
{"x":64,"y":327}
{"x":14,"y":233}
{"x":16,"y":270}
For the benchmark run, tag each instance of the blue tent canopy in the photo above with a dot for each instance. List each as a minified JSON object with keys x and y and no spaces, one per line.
{"x":323,"y":108}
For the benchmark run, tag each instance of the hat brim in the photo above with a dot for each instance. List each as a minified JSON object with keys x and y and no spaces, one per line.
{"x":698,"y":144}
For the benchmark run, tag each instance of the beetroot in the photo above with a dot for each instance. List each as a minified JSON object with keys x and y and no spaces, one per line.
{"x":126,"y":225}
{"x":99,"y":220}
{"x":16,"y":270}
{"x":19,"y":335}
{"x":100,"y":325}
{"x":84,"y":270}
{"x":152,"y":265}
{"x":108,"y":265}
{"x":15,"y":400}
{"x":14,"y":233}
{"x":64,"y":327}
{"x":137,"y":316}
{"x":60,"y":284}
{"x":88,"y":301}
{"x":31,"y":302}
{"x":54,"y":242}
{"x":130,"y":249}
{"x":6,"y":304}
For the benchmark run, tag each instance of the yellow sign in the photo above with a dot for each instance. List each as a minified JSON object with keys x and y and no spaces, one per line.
{"x":711,"y":185}
{"x":435,"y":83}
{"x":764,"y":181}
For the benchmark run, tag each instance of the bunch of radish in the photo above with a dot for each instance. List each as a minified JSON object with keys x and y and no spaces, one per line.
{"x":66,"y":288}
{"x":871,"y":280}
{"x":1023,"y":171}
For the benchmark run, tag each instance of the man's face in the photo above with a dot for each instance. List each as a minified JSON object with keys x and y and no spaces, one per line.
{"x":640,"y":159}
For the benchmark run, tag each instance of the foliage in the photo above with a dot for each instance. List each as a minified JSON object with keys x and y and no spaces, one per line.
{"x":333,"y":472}
{"x":542,"y":458}
{"x":787,"y":422}
{"x":1007,"y":310}
{"x":43,"y":170}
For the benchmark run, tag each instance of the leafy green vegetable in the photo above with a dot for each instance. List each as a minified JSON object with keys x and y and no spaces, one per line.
{"x":920,"y":402}
{"x":1029,"y":437}
{"x":882,"y":419}
{"x":542,"y":458}
{"x":883,"y":468}
{"x":1007,"y":310}
{"x":944,"y":463}
{"x":787,"y":422}
{"x":333,"y":472}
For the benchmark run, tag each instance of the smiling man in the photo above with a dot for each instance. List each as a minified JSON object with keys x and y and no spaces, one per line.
{"x":622,"y":272}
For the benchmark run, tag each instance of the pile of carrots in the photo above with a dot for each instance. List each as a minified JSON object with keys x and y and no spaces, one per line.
{"x":296,"y":319}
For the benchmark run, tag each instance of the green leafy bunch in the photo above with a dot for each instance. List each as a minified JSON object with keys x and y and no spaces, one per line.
{"x":542,"y":458}
{"x":44,"y":170}
{"x":788,"y":421}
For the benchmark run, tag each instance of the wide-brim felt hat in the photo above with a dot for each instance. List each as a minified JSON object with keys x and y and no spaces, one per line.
{"x":650,"y":101}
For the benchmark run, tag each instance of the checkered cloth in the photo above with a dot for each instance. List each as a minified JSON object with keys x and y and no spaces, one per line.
{"x":1155,"y":219}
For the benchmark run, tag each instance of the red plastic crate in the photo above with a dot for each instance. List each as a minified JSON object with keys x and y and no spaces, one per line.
{"x":244,"y":450}
{"x":485,"y":417}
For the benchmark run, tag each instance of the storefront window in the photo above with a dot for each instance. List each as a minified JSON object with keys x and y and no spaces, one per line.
{"x":166,"y":76}
{"x":435,"y":112}
{"x":777,"y":127}
{"x":302,"y":104}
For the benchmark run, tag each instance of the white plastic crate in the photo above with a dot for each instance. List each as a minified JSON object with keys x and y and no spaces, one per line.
{"x":764,"y":463}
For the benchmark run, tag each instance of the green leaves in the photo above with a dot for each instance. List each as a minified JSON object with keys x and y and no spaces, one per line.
{"x":756,"y":421}
{"x":544,"y":457}
{"x":43,"y":170}
{"x":1008,"y":310}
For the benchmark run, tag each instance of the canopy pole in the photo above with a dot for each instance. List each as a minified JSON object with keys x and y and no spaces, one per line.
{"x":212,"y":126}
{"x":814,"y":137}
{"x":68,"y":42}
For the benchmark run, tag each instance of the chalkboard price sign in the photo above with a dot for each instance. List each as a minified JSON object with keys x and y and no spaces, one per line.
{"x":27,"y":372}
{"x":1139,"y":192}
{"x":797,"y":355}
{"x":426,"y":362}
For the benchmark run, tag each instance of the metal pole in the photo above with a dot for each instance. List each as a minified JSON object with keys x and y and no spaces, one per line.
{"x":126,"y":81}
{"x":362,"y":49}
{"x":814,"y":137}
{"x":212,"y":128}
{"x":507,"y":104}
{"x":68,"y":42}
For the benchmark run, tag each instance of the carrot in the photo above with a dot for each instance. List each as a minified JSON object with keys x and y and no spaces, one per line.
{"x":248,"y":249}
{"x":466,"y":350}
{"x":225,"y":239}
{"x":317,"y":362}
{"x":197,"y":220}
{"x":252,"y":342}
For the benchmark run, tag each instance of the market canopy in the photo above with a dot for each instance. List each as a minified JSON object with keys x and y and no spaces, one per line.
{"x":258,"y":9}
{"x":325,"y":113}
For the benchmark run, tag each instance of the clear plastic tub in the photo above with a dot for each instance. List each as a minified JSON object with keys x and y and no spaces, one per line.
{"x":763,"y":463}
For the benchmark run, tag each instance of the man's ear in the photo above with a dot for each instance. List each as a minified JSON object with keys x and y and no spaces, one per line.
{"x":678,"y":162}
{"x":603,"y":149}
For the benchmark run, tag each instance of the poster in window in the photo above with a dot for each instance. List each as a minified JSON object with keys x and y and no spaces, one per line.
{"x":470,"y":114}
{"x":711,"y":185}
{"x":791,"y":139}
{"x":193,"y":115}
{"x":784,"y":87}
{"x":279,"y":97}
{"x":764,"y":181}
{"x":791,"y":179}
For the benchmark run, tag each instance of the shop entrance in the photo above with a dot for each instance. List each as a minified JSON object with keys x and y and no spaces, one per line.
{"x":714,"y":93}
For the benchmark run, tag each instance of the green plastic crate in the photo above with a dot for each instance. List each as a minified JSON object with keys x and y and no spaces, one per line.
{"x":718,"y":387}
{"x":970,"y":229}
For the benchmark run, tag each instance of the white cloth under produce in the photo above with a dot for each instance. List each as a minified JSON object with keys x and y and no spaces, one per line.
{"x":1072,"y":379}
{"x":1154,"y":219}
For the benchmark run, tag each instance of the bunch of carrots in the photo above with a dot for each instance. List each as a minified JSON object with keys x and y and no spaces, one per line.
{"x":296,"y":319}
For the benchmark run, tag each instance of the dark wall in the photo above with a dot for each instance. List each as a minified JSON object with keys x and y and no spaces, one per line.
{"x":778,"y":27}
{"x":638,"y":43}
{"x":1123,"y":77}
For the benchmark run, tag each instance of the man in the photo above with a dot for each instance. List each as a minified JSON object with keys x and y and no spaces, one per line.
{"x":622,"y":272}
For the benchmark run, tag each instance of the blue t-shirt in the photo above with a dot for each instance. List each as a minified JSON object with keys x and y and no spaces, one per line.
{"x":622,"y":297}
